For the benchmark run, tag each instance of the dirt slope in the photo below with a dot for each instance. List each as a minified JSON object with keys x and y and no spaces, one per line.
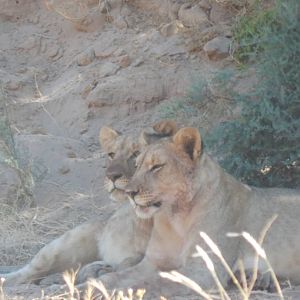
{"x":66,"y":69}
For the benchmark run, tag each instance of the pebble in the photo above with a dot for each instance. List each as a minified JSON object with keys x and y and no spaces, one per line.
{"x":217,"y":48}
{"x":86,"y":58}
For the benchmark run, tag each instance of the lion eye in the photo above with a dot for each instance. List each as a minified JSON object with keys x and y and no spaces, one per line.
{"x":136,"y":154}
{"x":111,"y":155}
{"x":156,"y":168}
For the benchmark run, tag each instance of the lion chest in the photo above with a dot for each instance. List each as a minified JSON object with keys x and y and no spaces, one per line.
{"x":166,"y":248}
{"x":121,"y":239}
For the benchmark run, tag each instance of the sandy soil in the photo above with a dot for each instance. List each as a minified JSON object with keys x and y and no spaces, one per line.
{"x":66,"y":69}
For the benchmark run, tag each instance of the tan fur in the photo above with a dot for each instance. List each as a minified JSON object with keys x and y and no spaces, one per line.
{"x":120,"y":243}
{"x":185,"y":192}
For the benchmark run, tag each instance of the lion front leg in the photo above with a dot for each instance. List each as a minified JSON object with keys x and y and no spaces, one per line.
{"x":74,"y":248}
{"x":135,"y":276}
{"x":99,"y":268}
{"x":93,"y":270}
{"x":255,"y":274}
{"x":142,"y":276}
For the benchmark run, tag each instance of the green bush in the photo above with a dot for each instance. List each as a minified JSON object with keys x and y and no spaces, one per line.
{"x":262,"y":146}
{"x":250,"y":32}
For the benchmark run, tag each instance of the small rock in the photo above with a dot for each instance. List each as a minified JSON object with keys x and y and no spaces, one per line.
{"x":138,"y":62}
{"x":93,"y":22}
{"x":120,"y":52}
{"x":86,"y":58}
{"x":169,"y":29}
{"x":103,"y":53}
{"x":88,"y":88}
{"x":192,"y":15}
{"x":108,"y":69}
{"x":34,"y":20}
{"x":43,"y":45}
{"x":217,"y":48}
{"x":124,"y":61}
{"x":84,"y":130}
{"x":71,"y":154}
{"x":13,"y":85}
{"x":40,"y":130}
{"x":44,"y":76}
{"x":28,"y":44}
{"x":206,"y":6}
{"x":120,"y":23}
{"x":105,"y":7}
{"x":58,"y":55}
{"x":228,"y":33}
{"x":22,"y":70}
{"x":64,"y":170}
{"x":52,"y":51}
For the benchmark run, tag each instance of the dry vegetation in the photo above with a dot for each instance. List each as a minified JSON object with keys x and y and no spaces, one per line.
{"x":40,"y":227}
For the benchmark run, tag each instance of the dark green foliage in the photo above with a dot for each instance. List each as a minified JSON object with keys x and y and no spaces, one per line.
{"x":250,"y":32}
{"x":262,"y":146}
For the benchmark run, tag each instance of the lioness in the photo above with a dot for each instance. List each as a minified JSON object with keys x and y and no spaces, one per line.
{"x":122,"y":241}
{"x":184,"y":191}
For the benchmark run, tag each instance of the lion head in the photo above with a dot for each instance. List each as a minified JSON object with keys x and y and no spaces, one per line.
{"x":163,"y":178}
{"x":122,"y":151}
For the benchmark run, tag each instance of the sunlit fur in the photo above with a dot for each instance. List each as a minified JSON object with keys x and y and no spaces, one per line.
{"x":120,"y":242}
{"x":195,"y":194}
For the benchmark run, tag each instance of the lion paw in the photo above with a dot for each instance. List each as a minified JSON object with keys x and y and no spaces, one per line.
{"x":92,"y":270}
{"x":263,"y":281}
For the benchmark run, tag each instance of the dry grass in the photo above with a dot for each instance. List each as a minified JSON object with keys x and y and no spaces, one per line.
{"x":95,"y":288}
{"x":245,"y":289}
{"x":24,"y":232}
{"x":71,"y":292}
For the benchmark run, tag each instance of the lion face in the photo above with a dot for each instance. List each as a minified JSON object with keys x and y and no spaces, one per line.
{"x":122,"y":152}
{"x":163,"y":179}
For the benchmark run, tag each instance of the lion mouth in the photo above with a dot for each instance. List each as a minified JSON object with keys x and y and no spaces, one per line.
{"x":112,"y":186}
{"x":145,"y":210}
{"x":154,"y":203}
{"x":113,"y":189}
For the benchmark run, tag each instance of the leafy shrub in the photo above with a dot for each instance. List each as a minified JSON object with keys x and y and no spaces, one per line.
{"x":262,"y":146}
{"x":250,"y":32}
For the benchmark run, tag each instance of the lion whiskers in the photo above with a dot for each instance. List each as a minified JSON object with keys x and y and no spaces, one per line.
{"x":108,"y":185}
{"x":143,"y":198}
{"x":121,"y":183}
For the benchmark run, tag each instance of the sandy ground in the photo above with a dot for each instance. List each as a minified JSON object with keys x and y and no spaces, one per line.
{"x":66,"y":69}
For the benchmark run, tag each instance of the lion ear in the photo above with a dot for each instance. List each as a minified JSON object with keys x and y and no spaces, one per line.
{"x":147,"y":137}
{"x":162,"y":129}
{"x":188,"y":140}
{"x":106,"y":136}
{"x":165,"y":127}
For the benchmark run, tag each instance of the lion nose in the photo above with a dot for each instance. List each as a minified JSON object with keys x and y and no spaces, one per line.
{"x":114,"y":176}
{"x":132,"y":193}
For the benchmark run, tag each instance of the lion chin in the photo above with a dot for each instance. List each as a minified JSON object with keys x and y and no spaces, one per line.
{"x":117,"y":196}
{"x":146,"y":211}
